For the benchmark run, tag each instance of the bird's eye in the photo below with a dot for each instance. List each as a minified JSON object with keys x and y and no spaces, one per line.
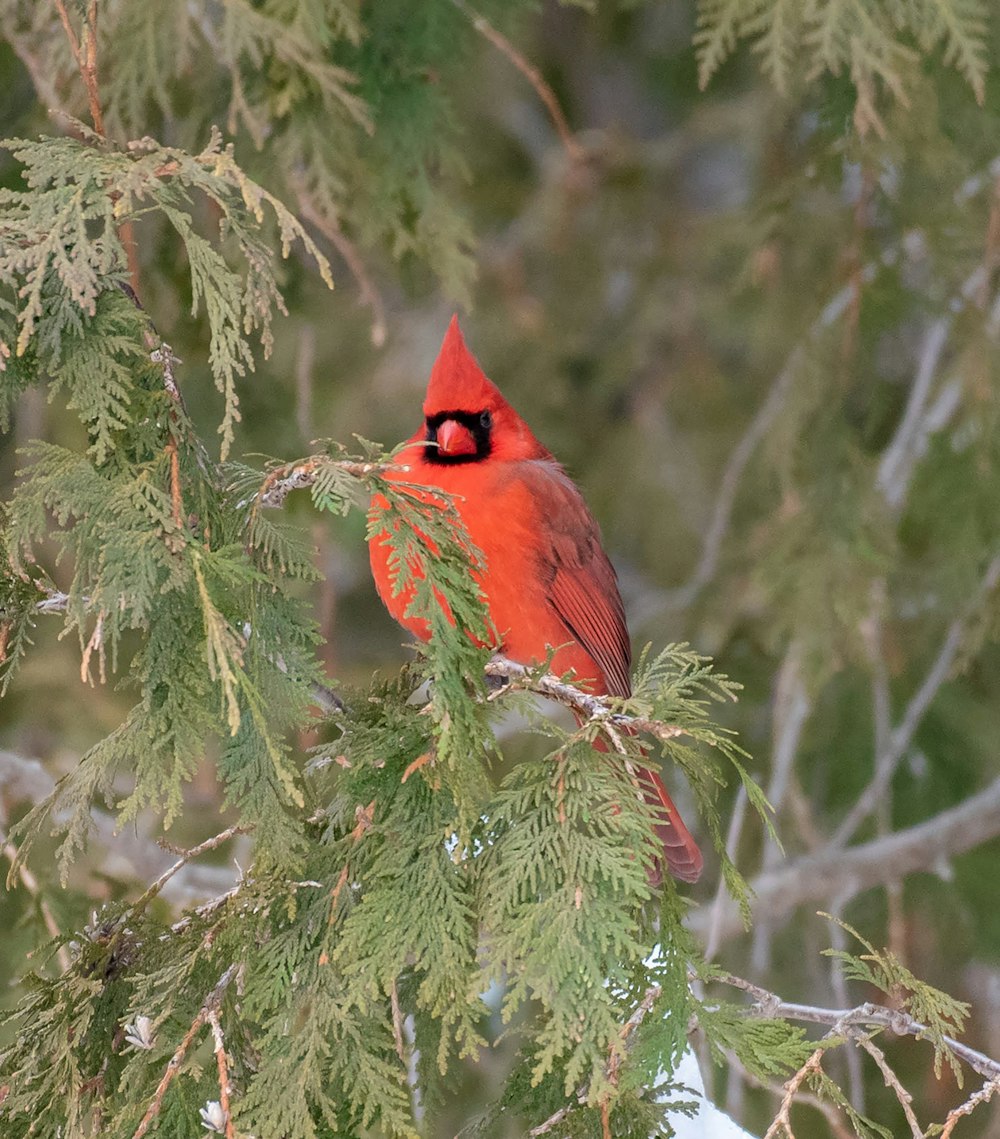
{"x":486,"y":420}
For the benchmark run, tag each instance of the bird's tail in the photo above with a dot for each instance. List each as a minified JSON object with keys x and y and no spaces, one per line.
{"x":680,"y":852}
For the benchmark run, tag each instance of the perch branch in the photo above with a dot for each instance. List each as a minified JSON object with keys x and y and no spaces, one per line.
{"x":596,"y":708}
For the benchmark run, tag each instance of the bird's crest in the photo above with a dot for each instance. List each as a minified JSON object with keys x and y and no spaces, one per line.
{"x":457,"y":382}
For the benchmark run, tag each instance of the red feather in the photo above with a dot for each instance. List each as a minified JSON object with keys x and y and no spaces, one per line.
{"x":548,"y":582}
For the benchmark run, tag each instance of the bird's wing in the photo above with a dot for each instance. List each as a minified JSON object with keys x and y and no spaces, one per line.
{"x":583,"y":586}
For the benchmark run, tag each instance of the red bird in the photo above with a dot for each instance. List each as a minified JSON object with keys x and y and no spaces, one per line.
{"x":548,"y":581}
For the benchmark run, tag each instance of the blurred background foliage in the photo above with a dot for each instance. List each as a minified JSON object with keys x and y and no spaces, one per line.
{"x":756,"y":316}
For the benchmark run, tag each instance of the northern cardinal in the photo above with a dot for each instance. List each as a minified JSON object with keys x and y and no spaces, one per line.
{"x":548,"y":582}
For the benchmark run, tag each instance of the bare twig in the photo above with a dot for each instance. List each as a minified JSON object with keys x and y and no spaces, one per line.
{"x":95,"y":643}
{"x":85,"y":55}
{"x":176,"y":498}
{"x":74,"y":42}
{"x":892,"y":1082}
{"x":211,"y":1004}
{"x":901,"y":736}
{"x":186,"y":856}
{"x":833,"y":873}
{"x":225,"y":1089}
{"x":530,"y":72}
{"x":984,"y":1095}
{"x":899,"y":457}
{"x":838,"y":1127}
{"x":852,"y":1021}
{"x":553,"y":1120}
{"x":207,"y":908}
{"x":782,"y":1121}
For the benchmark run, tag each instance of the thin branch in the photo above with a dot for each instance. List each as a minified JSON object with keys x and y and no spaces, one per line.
{"x":207,"y":908}
{"x":898,"y":458}
{"x":838,"y":1127}
{"x":186,"y":856}
{"x":553,"y":1120}
{"x":225,"y":1089}
{"x":210,"y":1005}
{"x":88,"y":68}
{"x":847,"y":873}
{"x":531,"y":73}
{"x":892,"y":1082}
{"x":176,"y":497}
{"x":85,"y":55}
{"x":902,"y":735}
{"x":589,"y":707}
{"x":74,"y":43}
{"x":851,"y":1021}
{"x":984,"y":1095}
{"x":782,"y":1121}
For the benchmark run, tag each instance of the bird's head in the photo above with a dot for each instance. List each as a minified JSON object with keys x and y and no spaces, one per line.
{"x":466,"y":419}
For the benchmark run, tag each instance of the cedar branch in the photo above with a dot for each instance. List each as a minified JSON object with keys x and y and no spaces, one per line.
{"x":220,"y":1057}
{"x":855,"y":1022}
{"x":210,"y":1005}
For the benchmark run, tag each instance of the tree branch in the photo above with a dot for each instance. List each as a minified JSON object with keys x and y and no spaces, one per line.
{"x":225,"y":1088}
{"x":846,"y":873}
{"x":852,"y":1021}
{"x":185,"y":857}
{"x":902,"y":735}
{"x":587,"y":706}
{"x":531,"y":73}
{"x":210,"y":1006}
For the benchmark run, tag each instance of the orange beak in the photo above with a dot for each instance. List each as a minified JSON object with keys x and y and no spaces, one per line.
{"x":454,"y":439}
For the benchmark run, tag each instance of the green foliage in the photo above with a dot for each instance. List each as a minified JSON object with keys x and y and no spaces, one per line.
{"x":61,"y":248}
{"x":871,"y":42}
{"x":423,"y":886}
{"x":941,"y":1014}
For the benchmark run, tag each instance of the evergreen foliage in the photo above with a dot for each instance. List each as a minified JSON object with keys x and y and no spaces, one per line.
{"x":874,"y":43}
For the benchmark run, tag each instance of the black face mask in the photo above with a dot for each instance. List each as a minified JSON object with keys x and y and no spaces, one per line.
{"x":478,"y":424}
